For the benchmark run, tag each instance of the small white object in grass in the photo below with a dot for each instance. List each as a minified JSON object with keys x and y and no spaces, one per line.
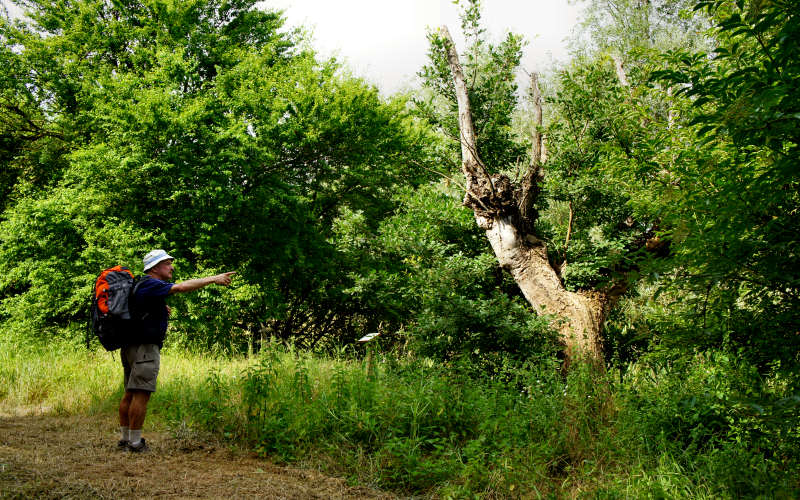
{"x":368,"y":337}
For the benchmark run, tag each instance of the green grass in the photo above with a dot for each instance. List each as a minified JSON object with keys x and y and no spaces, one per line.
{"x":62,"y":378}
{"x":420,"y":429}
{"x":57,"y":379}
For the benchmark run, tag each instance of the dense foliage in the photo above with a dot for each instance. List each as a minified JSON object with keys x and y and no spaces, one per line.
{"x":429,"y":275}
{"x":199,"y":127}
{"x":736,"y":217}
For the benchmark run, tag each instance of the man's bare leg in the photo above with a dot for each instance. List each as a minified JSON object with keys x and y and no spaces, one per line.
{"x":124,"y":409}
{"x":132,"y":411}
{"x":138,"y":409}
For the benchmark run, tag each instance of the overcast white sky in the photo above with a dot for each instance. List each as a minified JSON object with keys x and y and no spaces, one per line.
{"x":384,"y":40}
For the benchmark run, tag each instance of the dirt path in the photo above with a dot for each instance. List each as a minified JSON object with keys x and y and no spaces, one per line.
{"x":76,"y":457}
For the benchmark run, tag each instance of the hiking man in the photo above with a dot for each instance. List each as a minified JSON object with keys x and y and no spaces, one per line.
{"x":141,"y":361}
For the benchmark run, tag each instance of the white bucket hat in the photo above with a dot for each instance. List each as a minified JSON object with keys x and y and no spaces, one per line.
{"x":153,"y":257}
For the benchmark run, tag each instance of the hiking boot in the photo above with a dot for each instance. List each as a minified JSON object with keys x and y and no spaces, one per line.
{"x":139,"y":448}
{"x":122,"y":444}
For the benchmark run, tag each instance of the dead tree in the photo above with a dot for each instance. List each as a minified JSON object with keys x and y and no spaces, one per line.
{"x":506,"y":212}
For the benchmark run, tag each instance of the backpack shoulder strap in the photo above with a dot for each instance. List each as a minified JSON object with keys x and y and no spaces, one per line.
{"x":132,"y":301}
{"x":138,"y":281}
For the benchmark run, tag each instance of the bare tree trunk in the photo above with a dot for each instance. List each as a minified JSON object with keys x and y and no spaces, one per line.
{"x":526,"y":260}
{"x":621,"y":75}
{"x":670,"y":111}
{"x":566,"y":240}
{"x":532,"y":178}
{"x":505,"y":212}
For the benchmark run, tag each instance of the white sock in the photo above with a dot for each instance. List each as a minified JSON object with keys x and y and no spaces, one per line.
{"x":136,"y":436}
{"x":124,"y":433}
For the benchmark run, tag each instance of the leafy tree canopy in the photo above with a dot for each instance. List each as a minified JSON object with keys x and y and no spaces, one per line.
{"x":202,"y":127}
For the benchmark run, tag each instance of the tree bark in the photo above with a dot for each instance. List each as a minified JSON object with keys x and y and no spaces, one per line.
{"x":505,"y":212}
{"x":620,"y":68}
{"x":532,"y":178}
{"x":582,"y":313}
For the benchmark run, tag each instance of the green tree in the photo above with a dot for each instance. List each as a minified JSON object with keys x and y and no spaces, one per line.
{"x":736,"y":216}
{"x":698,"y":150}
{"x":200,"y":127}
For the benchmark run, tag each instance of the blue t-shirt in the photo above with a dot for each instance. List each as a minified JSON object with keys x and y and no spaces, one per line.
{"x":151,"y":309}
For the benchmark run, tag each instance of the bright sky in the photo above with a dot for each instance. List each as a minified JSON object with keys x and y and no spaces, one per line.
{"x":384,"y":40}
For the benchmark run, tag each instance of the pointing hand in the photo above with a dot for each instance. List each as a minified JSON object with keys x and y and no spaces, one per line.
{"x":224,"y":279}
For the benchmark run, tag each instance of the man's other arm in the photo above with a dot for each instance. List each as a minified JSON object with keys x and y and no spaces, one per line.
{"x":223,"y":279}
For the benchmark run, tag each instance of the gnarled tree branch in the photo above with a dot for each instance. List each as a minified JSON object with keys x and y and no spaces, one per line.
{"x":533,"y":176}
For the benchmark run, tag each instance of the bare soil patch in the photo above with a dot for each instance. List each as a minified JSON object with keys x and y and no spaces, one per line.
{"x":76,"y":457}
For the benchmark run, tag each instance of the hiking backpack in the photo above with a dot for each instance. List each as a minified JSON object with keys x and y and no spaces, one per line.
{"x":112,"y":320}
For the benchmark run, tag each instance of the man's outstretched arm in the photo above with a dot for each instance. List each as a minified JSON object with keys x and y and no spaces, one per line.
{"x":223,"y":279}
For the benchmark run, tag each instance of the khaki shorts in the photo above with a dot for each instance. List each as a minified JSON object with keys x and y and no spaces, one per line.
{"x":140,"y":363}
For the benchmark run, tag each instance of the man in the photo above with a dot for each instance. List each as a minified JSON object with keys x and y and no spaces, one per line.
{"x":141,"y":361}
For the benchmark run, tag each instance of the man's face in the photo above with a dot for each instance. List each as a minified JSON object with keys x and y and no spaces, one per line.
{"x":163,"y":270}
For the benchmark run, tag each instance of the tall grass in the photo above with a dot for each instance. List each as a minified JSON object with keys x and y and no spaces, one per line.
{"x":64,"y":378}
{"x":423,"y":429}
{"x":411,"y":426}
{"x":55,"y":378}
